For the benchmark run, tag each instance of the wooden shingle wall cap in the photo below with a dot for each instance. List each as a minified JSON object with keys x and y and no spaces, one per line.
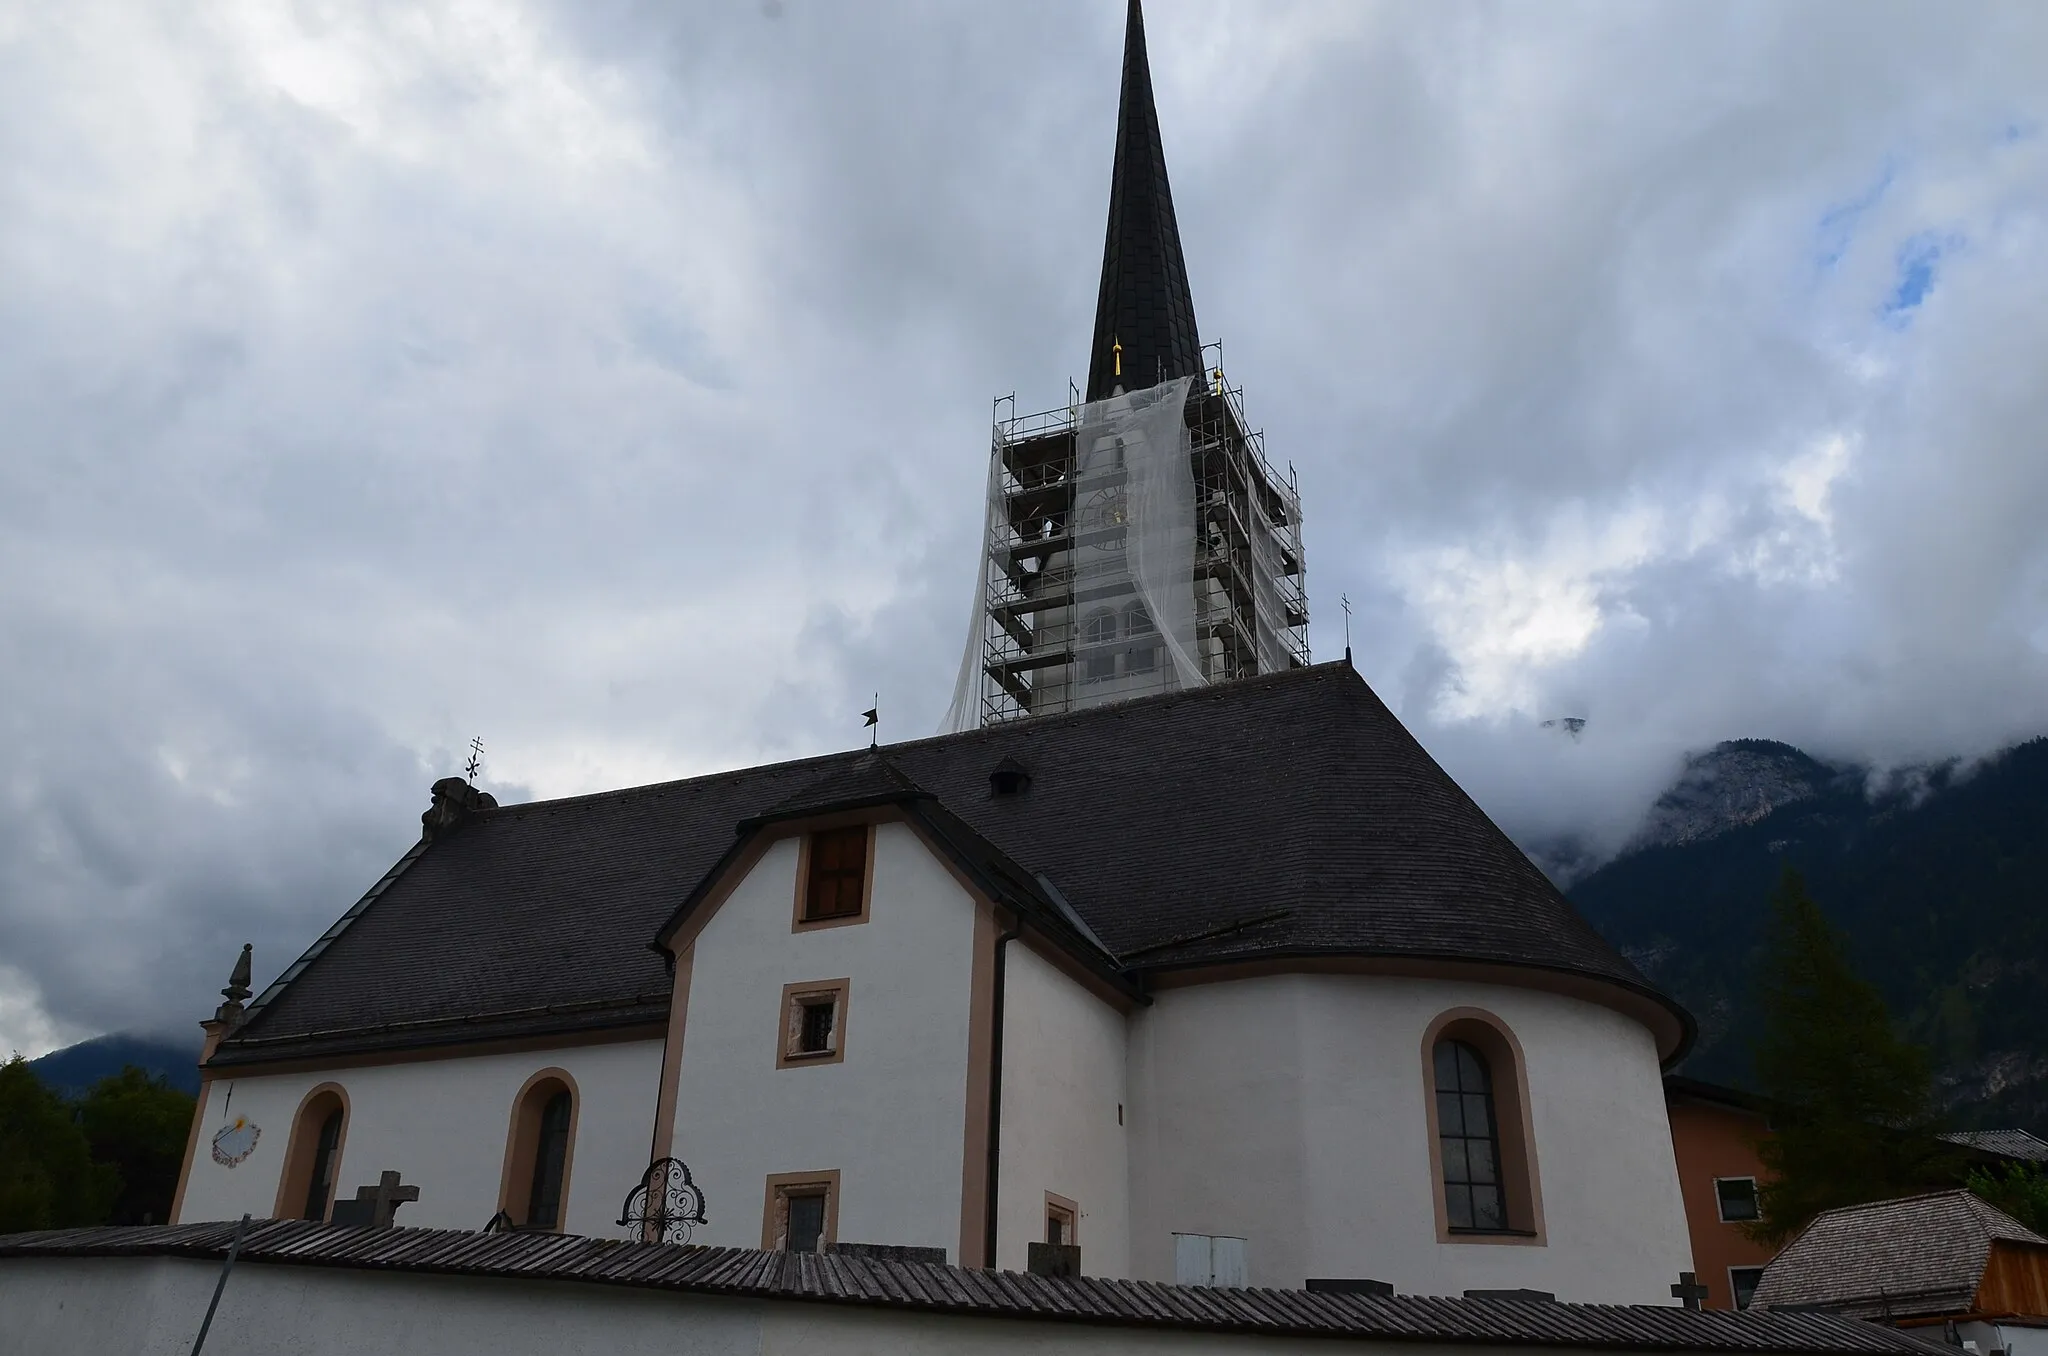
{"x":934,"y":1288}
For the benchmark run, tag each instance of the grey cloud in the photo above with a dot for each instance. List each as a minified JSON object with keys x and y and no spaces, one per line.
{"x":613,"y":380}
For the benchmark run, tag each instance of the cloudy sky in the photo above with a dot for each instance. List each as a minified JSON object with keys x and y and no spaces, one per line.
{"x":612,"y":380}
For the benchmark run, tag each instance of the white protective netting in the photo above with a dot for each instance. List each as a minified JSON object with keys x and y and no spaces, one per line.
{"x":1134,"y":558}
{"x":965,"y":712}
{"x":1118,"y":598}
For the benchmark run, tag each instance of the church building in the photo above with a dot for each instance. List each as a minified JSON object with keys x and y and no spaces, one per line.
{"x":1176,"y":952}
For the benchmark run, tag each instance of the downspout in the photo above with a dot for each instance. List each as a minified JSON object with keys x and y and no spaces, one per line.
{"x":995,"y":1089}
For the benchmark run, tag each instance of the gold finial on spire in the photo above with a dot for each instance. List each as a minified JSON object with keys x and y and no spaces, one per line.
{"x":1116,"y":349}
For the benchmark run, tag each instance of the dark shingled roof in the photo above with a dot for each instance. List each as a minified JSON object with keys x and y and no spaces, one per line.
{"x":1289,"y":815}
{"x":1912,"y":1257}
{"x":1144,"y":304}
{"x":931,"y":1287}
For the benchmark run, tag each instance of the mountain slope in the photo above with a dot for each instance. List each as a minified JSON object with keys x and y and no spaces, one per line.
{"x":77,"y":1067}
{"x":1941,"y":885}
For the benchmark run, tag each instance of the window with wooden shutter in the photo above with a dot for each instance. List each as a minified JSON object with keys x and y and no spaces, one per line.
{"x":835,"y":876}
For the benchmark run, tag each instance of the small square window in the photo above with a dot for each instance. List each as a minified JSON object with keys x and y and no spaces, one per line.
{"x":835,"y":877}
{"x":813,"y":1029}
{"x":1737,"y":1198}
{"x":802,"y":1212}
{"x":1743,"y":1281}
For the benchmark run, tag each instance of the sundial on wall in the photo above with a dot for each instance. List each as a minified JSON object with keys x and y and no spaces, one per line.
{"x":235,"y":1141}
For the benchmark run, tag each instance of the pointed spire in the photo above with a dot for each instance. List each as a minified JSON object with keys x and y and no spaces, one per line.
{"x":1145,"y":316}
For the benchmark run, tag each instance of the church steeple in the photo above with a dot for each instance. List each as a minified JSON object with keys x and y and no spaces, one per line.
{"x":1144,"y":316}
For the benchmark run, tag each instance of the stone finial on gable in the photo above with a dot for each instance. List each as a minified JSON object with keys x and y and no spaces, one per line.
{"x":455,"y":800}
{"x":237,"y":989}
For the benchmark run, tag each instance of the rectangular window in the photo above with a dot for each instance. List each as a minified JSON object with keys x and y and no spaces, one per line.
{"x":1737,"y":1198}
{"x":1742,"y":1281}
{"x":813,"y":1026}
{"x":835,"y":876}
{"x":1209,"y":1259}
{"x":1062,"y":1217}
{"x":802,"y":1213}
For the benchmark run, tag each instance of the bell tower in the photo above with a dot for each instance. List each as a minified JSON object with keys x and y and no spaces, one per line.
{"x":1137,"y":540}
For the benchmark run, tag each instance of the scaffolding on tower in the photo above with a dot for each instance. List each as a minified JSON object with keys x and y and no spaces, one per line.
{"x":1133,"y":545}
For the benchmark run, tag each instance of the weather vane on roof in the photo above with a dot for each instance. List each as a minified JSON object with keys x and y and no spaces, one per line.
{"x":873,"y":719}
{"x":476,"y":759}
{"x":1345,"y":598}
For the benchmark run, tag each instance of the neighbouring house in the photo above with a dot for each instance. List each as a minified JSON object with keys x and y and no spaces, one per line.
{"x":1714,"y":1135}
{"x":1945,"y":1260}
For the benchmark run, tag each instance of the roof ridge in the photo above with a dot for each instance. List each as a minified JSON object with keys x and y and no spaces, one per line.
{"x":1154,"y":699}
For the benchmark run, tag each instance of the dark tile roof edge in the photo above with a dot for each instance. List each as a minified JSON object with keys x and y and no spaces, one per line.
{"x":534,"y":1023}
{"x":936,"y":1288}
{"x":326,"y":939}
{"x":1699,"y":1090}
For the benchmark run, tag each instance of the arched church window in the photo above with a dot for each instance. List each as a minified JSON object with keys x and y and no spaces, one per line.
{"x":1479,"y":1120}
{"x":535,"y":1187}
{"x":1098,"y":633}
{"x":312,"y":1158}
{"x":1141,"y":655}
{"x":1469,"y":1138}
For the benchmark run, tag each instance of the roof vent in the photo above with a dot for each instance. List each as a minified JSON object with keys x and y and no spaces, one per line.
{"x":1010,"y":778}
{"x":1533,"y":1296}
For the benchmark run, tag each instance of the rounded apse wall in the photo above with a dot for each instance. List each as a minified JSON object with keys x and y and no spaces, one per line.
{"x":1295,"y":1111}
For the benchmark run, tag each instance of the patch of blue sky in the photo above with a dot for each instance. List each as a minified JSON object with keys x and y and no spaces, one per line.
{"x":1919,"y":264}
{"x":1838,"y":224}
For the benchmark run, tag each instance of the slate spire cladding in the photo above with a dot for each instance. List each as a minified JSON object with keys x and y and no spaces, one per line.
{"x":1144,"y":314}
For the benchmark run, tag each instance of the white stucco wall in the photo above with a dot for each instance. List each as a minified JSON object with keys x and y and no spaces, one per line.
{"x":153,"y":1307}
{"x":891,"y":1115}
{"x":1063,"y":1078}
{"x":1290,"y":1111}
{"x":442,"y":1125}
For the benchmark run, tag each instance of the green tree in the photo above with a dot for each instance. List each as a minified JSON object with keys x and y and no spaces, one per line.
{"x":1851,"y":1101}
{"x":47,"y":1177}
{"x":2019,"y":1189}
{"x":138,"y":1125}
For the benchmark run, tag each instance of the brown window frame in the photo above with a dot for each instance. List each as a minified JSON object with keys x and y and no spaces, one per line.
{"x":775,"y":1208}
{"x":1520,"y":1179}
{"x":807,"y":858}
{"x":789,"y":1026}
{"x":1060,"y":1208}
{"x":295,"y":1183}
{"x":522,"y":1147}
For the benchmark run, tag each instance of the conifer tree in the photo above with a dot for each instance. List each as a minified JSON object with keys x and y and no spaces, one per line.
{"x":1851,"y":1103}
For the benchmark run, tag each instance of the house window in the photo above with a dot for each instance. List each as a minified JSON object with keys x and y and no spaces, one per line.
{"x":813,"y":1029}
{"x":534,"y":1187}
{"x":1477,"y":1101}
{"x":802,"y":1212}
{"x":1209,"y":1259}
{"x":835,"y":876}
{"x":1062,"y":1220}
{"x":1742,"y":1283}
{"x":313,"y":1155}
{"x":1737,"y":1198}
{"x":1468,"y":1137}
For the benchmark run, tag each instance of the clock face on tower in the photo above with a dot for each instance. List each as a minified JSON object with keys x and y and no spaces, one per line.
{"x":1106,"y":512}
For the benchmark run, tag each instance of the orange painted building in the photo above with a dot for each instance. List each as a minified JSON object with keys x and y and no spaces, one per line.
{"x":1714,"y":1132}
